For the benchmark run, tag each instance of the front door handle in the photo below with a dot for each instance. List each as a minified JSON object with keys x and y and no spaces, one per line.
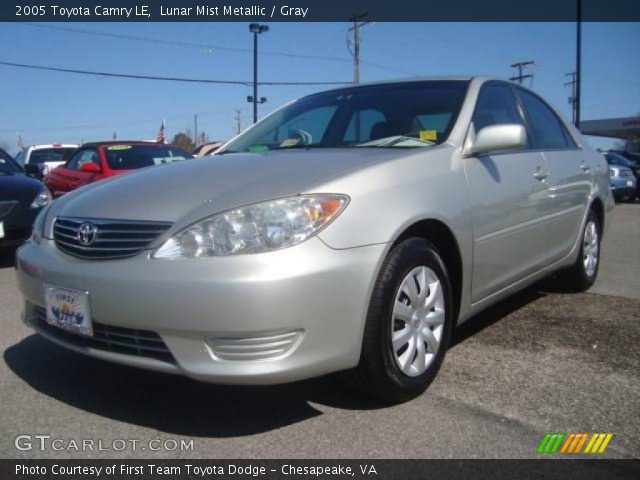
{"x":540,"y":175}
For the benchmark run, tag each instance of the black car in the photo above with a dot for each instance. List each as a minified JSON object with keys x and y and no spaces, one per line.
{"x":21,"y":198}
{"x":625,"y":159}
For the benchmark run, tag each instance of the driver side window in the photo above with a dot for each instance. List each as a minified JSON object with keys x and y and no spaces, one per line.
{"x":495,"y":106}
{"x":361,"y":127}
{"x":83,"y":156}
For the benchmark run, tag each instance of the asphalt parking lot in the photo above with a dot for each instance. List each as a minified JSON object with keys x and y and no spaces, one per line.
{"x":541,"y":362}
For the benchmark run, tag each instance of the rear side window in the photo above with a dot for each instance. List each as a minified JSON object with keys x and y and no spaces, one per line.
{"x":496,"y":106}
{"x":83,"y":156}
{"x":43,"y":155}
{"x":546,"y":128}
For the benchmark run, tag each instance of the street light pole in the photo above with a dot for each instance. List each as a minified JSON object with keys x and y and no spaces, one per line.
{"x":256,"y":29}
{"x":578,"y":77}
{"x":255,"y":77}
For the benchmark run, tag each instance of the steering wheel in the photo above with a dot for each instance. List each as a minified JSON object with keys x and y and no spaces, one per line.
{"x":297,"y":137}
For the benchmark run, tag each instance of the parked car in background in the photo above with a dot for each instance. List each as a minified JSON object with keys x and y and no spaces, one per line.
{"x":21,"y":199}
{"x":99,"y":160}
{"x":623,"y":175}
{"x":207,"y":149}
{"x":349,"y":230}
{"x":629,"y":160}
{"x":634,"y":157}
{"x":46,"y":157}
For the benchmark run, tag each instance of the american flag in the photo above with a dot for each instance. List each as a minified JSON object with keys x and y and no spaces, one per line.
{"x":161,"y":134}
{"x":20,"y":142}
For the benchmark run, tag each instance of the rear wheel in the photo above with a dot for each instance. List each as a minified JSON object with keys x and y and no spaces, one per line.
{"x":582,"y":275}
{"x":408,"y":325}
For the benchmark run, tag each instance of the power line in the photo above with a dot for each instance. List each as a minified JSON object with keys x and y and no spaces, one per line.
{"x":181,"y":43}
{"x":208,"y":46}
{"x":220,"y":112}
{"x":168,"y":79}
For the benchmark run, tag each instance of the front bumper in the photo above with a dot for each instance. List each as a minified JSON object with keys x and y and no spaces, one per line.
{"x":623,"y":186}
{"x":253,"y":319}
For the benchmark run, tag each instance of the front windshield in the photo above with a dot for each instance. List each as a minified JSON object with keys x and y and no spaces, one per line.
{"x":401,"y":115}
{"x":44,"y":155}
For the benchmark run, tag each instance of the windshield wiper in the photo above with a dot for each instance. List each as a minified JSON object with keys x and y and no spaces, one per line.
{"x":301,"y":146}
{"x":395,"y":141}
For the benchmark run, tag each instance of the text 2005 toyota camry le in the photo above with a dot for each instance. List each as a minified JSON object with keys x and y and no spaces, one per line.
{"x":351,"y":229}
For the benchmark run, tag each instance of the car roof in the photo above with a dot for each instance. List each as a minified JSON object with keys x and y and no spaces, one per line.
{"x":400,"y":81}
{"x":121,"y":142}
{"x":53,"y":145}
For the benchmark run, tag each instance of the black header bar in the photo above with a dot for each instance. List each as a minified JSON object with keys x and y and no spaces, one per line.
{"x":318,"y":10}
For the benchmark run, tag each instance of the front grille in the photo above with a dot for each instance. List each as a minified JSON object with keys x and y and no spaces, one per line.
{"x":127,"y":341}
{"x":626,"y":173}
{"x":7,"y":207}
{"x":111,"y":239}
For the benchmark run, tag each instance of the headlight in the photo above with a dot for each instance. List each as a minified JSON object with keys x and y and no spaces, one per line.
{"x":262,"y":227}
{"x":42,"y":199}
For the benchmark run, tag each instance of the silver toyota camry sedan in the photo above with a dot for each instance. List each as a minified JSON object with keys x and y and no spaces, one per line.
{"x":352,"y":229}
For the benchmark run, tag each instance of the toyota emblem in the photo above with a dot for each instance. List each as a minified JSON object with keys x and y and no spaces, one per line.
{"x":86,"y":233}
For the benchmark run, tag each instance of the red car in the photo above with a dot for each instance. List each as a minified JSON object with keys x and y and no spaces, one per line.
{"x":99,"y":160}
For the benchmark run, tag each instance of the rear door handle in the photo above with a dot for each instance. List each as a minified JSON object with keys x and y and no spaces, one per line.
{"x":585,"y":168}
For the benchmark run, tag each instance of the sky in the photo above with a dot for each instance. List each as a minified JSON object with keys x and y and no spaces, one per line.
{"x":46,"y":107}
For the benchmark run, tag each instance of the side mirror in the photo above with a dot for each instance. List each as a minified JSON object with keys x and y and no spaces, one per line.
{"x":498,"y":137}
{"x":32,"y":169}
{"x":90,"y":167}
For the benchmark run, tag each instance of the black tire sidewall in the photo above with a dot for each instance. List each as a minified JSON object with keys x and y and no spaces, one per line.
{"x":406,"y":256}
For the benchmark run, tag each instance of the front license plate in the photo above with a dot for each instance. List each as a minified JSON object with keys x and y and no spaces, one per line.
{"x":1,"y":230}
{"x":629,"y":183}
{"x":68,"y":309}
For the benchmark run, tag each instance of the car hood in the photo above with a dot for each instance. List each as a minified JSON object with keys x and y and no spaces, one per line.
{"x":193,"y":189}
{"x":18,"y":186}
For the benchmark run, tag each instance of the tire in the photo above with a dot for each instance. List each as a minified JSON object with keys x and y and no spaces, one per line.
{"x":581,"y":275}
{"x":426,"y":329}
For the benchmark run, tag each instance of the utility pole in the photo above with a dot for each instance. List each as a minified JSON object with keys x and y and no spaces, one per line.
{"x":578,"y":62}
{"x":256,"y":29}
{"x":195,"y":128}
{"x":572,"y":98}
{"x":357,"y":25}
{"x":238,"y":122}
{"x":521,"y":66}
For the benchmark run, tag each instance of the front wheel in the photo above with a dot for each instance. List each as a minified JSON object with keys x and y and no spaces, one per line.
{"x":408,"y":325}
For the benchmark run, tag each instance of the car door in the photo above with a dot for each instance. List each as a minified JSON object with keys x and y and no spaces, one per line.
{"x":569,"y":177}
{"x":70,"y":176}
{"x":508,"y":197}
